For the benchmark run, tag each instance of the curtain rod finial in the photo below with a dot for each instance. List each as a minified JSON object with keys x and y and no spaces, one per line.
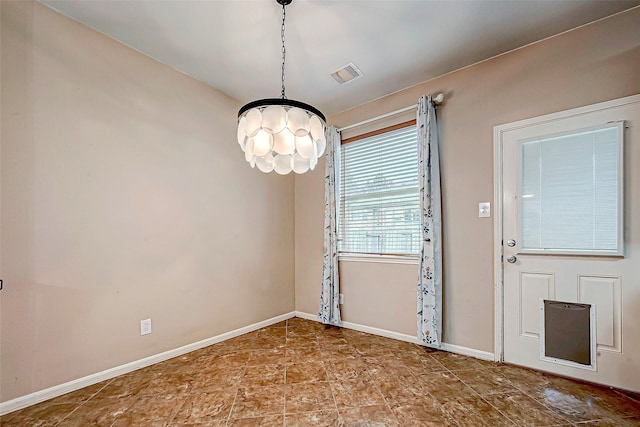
{"x":438,"y":98}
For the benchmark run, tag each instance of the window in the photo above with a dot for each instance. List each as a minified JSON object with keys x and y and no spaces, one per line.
{"x":379,"y":194}
{"x":571,"y":192}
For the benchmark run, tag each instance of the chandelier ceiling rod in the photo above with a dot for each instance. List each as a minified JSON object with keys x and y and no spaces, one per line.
{"x":284,"y":50}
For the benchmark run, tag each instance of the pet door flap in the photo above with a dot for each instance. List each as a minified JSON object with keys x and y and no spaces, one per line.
{"x":567,"y":331}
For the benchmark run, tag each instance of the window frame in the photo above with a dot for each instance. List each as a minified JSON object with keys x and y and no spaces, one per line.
{"x":399,"y":258}
{"x":619,"y":251}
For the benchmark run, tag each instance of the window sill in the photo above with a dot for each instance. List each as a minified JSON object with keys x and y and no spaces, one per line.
{"x":378,"y":258}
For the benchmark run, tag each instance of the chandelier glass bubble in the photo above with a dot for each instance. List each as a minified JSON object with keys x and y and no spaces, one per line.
{"x":280,"y":134}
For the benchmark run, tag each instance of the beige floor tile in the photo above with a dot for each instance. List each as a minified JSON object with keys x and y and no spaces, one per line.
{"x":258,"y":401}
{"x":303,"y":354}
{"x":354,"y":393}
{"x":294,"y":321}
{"x":485,"y":381}
{"x":301,"y":341}
{"x":205,"y":408}
{"x":346,"y":369}
{"x":168,"y":384}
{"x":127,"y":385}
{"x":269,"y":343}
{"x":395,"y":391}
{"x":273,"y":333}
{"x":307,"y":397}
{"x":267,"y":357}
{"x":263,"y":375}
{"x":574,"y":407}
{"x":419,"y":364}
{"x":236,"y":345}
{"x":42,"y":415}
{"x":216,"y":423}
{"x":426,"y":413}
{"x":150,"y":411}
{"x":369,"y":416}
{"x":313,"y":419}
{"x":180,"y":364}
{"x":305,"y":372}
{"x":608,"y":401}
{"x":301,"y":330}
{"x":521,"y":408}
{"x":379,"y":365}
{"x":267,"y":421}
{"x":374,"y":349}
{"x":220,"y":378}
{"x":474,"y":411}
{"x":524,"y":379}
{"x":99,"y":412}
{"x":613,"y":422}
{"x":454,"y":361}
{"x":331,"y":340}
{"x":232,"y":359}
{"x":339,"y":352}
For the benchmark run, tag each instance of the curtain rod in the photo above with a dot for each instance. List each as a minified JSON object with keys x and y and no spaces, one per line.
{"x":437,"y":99}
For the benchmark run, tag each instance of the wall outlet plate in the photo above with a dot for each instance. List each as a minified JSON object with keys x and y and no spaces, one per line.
{"x":484,"y":210}
{"x":341,"y":299}
{"x":145,"y":327}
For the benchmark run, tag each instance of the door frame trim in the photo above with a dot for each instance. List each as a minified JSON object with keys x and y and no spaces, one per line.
{"x":498,"y":280}
{"x":498,"y":264}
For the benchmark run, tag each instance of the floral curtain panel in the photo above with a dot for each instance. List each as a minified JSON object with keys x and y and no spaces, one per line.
{"x":330,"y":297}
{"x":430,"y":278}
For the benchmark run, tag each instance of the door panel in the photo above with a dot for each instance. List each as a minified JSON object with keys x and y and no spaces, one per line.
{"x":605,"y":293}
{"x":611,"y":283}
{"x":533,"y":288}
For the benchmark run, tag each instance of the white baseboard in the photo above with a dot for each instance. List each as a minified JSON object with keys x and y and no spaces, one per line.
{"x":364,"y":328}
{"x":59,"y":390}
{"x":452,"y":348}
{"x":303,"y":315}
{"x":478,"y":354}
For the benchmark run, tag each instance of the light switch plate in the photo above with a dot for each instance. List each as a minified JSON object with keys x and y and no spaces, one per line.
{"x":145,"y":327}
{"x":484,"y":210}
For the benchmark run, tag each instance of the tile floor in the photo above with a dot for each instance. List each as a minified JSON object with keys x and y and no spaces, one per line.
{"x":299,"y":373}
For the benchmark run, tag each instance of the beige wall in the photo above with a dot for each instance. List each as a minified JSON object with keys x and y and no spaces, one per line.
{"x":591,"y":64}
{"x":124,"y":197}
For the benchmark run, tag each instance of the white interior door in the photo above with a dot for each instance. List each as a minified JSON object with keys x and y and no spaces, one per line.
{"x":550,"y":257}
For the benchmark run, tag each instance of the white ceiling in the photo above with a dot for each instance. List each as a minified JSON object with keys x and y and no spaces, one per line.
{"x":234,"y":45}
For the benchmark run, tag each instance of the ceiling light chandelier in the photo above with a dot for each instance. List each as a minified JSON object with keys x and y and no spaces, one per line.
{"x":281,"y":134}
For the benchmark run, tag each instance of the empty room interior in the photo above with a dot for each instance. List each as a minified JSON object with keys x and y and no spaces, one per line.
{"x":320,"y":213}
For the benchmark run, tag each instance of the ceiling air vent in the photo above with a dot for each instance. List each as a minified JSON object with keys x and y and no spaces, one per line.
{"x":346,"y":73}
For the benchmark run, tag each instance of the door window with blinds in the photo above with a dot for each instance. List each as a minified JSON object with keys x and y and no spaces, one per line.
{"x":379,"y":194}
{"x":571,"y":192}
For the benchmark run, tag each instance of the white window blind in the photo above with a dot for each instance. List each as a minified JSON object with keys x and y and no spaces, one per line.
{"x":379,"y":194}
{"x":570,"y":191}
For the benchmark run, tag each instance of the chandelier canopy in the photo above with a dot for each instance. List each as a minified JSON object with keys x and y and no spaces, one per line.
{"x":280,"y":134}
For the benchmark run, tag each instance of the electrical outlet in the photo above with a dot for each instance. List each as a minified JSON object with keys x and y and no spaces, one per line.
{"x":145,"y":327}
{"x":341,"y":300}
{"x":484,"y":210}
